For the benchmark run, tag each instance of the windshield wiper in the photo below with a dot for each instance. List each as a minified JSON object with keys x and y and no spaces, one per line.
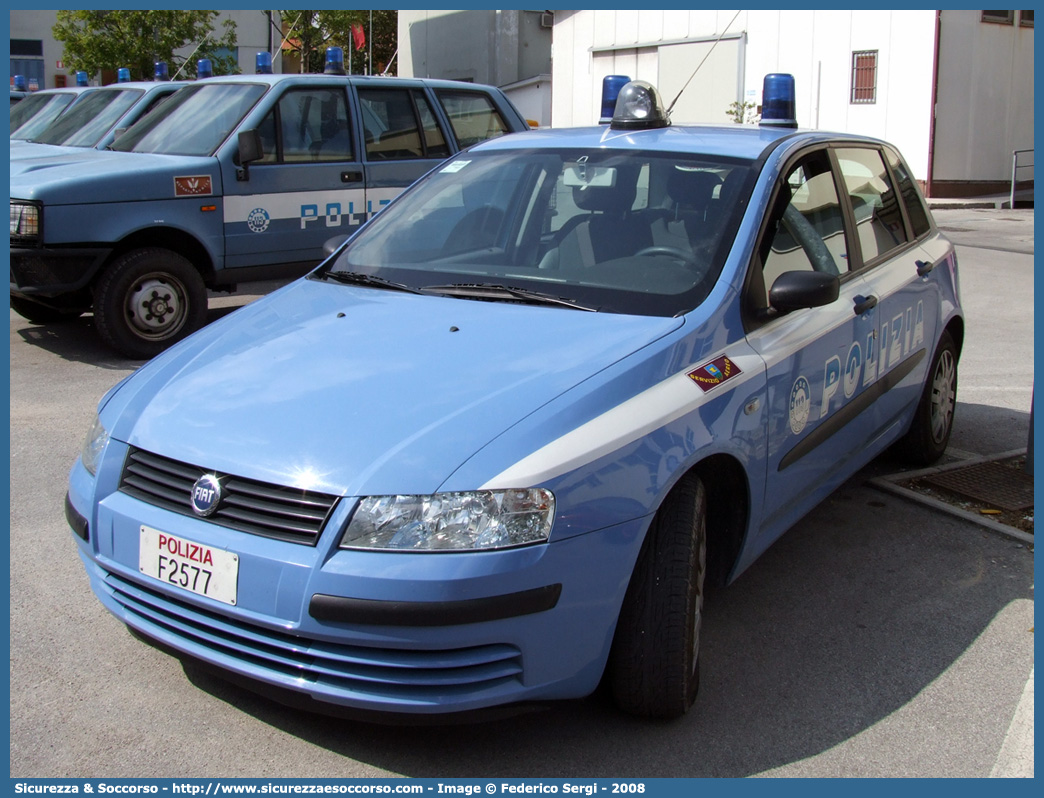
{"x":504,"y":292}
{"x":356,"y":278}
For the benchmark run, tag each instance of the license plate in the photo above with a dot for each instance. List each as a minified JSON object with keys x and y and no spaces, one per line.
{"x":200,"y":569}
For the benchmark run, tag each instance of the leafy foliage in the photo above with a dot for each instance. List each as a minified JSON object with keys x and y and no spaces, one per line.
{"x":97,"y":40}
{"x":309,"y":33}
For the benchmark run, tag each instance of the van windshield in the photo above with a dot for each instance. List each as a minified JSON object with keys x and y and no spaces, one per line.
{"x":36,"y":112}
{"x":619,"y":231}
{"x":90,"y":119}
{"x":194,"y":121}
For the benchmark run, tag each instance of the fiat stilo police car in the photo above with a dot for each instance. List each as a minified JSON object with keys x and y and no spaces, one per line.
{"x":492,"y":450}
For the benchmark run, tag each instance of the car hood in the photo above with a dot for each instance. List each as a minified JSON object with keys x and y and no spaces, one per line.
{"x":77,"y":175}
{"x":359,"y":391}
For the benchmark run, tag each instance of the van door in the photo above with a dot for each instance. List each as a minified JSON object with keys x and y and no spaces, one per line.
{"x":308,"y":187}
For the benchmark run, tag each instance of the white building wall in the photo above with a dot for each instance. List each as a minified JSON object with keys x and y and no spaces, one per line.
{"x":815,"y":46}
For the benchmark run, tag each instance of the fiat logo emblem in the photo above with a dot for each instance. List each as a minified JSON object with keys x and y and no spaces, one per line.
{"x":206,"y":494}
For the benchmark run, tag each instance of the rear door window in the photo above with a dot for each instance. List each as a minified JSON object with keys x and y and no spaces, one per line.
{"x":875,"y":203}
{"x":399,"y":124}
{"x":473,"y":116}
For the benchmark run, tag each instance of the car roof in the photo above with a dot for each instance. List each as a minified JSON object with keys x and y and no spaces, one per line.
{"x":747,"y":142}
{"x":276,"y":79}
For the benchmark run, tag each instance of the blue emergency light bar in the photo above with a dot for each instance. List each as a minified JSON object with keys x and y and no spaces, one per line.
{"x":20,"y":83}
{"x":263,"y":64}
{"x":123,"y":75}
{"x":611,"y":86}
{"x":160,"y":72}
{"x":778,"y":104}
{"x":334,"y":61}
{"x":204,"y":68}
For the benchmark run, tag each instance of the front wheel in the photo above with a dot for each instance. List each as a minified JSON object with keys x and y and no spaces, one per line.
{"x":933,"y":420}
{"x":654,"y":664}
{"x":148,"y":299}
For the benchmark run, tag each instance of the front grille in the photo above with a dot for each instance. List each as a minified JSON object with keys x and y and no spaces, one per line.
{"x":271,"y":511}
{"x":395,"y":674}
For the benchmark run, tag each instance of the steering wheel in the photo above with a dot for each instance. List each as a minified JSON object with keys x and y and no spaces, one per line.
{"x":685,"y":256}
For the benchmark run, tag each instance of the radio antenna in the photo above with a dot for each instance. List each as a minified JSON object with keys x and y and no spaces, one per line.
{"x":697,"y":69}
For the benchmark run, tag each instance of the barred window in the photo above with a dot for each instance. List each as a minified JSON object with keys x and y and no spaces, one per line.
{"x":864,"y":76}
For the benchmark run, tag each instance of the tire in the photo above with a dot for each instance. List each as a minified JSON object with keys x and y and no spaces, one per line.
{"x":654,"y":663}
{"x":933,"y":420}
{"x":36,"y":313}
{"x":148,"y":299}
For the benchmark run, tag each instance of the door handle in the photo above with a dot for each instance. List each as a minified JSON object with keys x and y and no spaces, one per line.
{"x":351,"y":177}
{"x":864,"y":303}
{"x":923,"y":267}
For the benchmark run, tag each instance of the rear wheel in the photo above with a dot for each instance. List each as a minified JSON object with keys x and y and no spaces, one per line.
{"x":41,"y":314}
{"x":933,"y":421}
{"x":148,"y":299}
{"x":654,"y":664}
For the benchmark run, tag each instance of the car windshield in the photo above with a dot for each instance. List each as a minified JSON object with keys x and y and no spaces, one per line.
{"x":36,"y":112}
{"x":619,"y":231}
{"x":194,"y":121}
{"x":90,"y":119}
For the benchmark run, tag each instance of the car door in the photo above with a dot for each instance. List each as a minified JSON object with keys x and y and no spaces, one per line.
{"x":308,"y":187}
{"x":898,"y":275}
{"x":816,"y":359}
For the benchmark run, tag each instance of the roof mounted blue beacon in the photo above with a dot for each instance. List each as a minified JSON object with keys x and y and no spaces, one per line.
{"x":204,"y":69}
{"x":263,"y":64}
{"x":778,"y":106}
{"x":639,"y":107}
{"x":81,"y":78}
{"x":20,"y":83}
{"x":123,"y":75}
{"x":611,"y":85}
{"x":160,"y":72}
{"x":334,"y":61}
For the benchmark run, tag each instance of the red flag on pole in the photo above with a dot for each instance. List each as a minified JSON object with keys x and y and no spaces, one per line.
{"x":359,"y":36}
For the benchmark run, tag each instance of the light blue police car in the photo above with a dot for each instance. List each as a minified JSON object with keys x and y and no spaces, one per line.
{"x":493,"y":449}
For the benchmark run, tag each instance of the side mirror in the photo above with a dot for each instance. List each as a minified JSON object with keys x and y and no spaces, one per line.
{"x":797,"y":290}
{"x":250,"y":149}
{"x":333,"y":244}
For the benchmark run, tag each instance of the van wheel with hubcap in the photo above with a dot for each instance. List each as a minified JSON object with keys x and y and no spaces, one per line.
{"x":930,"y":432}
{"x":654,"y":664}
{"x":148,"y":299}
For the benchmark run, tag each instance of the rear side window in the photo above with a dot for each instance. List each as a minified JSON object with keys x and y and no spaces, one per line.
{"x":879,"y":219}
{"x":915,"y":210}
{"x":307,"y":126}
{"x":473,"y":116}
{"x":399,"y":124}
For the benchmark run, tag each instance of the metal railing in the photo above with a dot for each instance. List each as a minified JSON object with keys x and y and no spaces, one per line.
{"x":1015,"y":166}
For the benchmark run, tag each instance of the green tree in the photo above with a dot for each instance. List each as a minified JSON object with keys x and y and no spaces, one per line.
{"x":309,"y":33}
{"x":97,"y":40}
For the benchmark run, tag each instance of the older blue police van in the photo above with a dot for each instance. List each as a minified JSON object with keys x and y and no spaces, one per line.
{"x":492,"y":450}
{"x":234,"y":179}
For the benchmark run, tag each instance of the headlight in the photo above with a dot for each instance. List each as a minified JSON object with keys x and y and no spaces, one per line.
{"x":93,"y":446}
{"x":25,"y":220}
{"x":485,"y":519}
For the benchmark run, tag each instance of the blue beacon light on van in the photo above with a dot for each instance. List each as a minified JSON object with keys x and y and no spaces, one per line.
{"x":204,"y":68}
{"x":263,"y":64}
{"x":611,"y":86}
{"x":160,"y":72}
{"x":81,"y":78}
{"x":334,"y":61}
{"x":778,"y":106}
{"x":123,"y":75}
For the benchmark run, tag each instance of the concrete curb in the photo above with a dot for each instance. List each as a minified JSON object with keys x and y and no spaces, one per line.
{"x":1015,"y":759}
{"x":888,"y":484}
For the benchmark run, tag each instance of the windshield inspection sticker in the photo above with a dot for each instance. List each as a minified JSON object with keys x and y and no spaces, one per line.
{"x":193,"y":185}
{"x":711,"y":375}
{"x":456,"y":166}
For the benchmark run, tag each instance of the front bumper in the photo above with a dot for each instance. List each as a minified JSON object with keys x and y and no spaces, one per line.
{"x":389,"y":632}
{"x":53,"y":271}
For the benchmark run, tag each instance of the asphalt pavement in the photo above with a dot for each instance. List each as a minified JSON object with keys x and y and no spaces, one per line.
{"x":878,"y":637}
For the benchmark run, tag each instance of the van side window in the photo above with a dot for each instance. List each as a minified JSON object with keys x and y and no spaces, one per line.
{"x":472,"y":115}
{"x":878,"y":217}
{"x":392,"y":122}
{"x":312,"y":126}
